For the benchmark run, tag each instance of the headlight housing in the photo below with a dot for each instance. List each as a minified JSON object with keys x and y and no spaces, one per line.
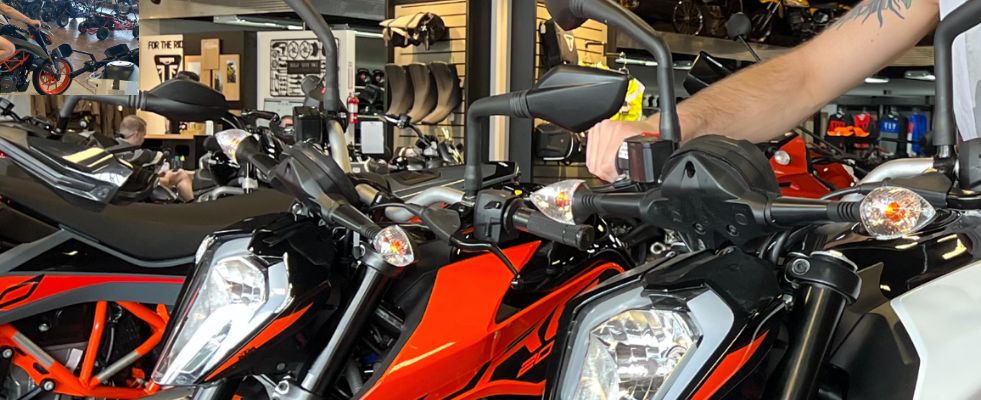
{"x":634,"y":346}
{"x":228,"y":301}
{"x":635,"y":352}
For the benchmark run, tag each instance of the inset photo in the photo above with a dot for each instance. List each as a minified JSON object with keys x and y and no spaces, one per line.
{"x":72,"y":47}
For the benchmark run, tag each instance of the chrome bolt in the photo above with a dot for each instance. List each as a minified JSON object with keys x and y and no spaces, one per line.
{"x":44,"y":327}
{"x":800,"y":266}
{"x":48,"y":385}
{"x":7,"y":353}
{"x":283,"y":387}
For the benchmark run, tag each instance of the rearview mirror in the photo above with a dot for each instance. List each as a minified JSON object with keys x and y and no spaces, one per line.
{"x":563,"y":15}
{"x":738,"y":25}
{"x":186,"y":101}
{"x":118,"y":50}
{"x":576,"y":98}
{"x":63,"y":51}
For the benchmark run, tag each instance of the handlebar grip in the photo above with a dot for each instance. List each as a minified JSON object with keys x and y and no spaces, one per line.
{"x":796,"y":212}
{"x":578,"y":236}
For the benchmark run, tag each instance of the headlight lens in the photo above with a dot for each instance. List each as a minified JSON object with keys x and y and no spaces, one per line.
{"x":236,"y":296}
{"x":632,"y":354}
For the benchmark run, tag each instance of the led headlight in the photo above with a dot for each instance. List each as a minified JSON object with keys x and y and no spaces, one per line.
{"x":229,"y":301}
{"x":634,"y":346}
{"x":634,"y":352}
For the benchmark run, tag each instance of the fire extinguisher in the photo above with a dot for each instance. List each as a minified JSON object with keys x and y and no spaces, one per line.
{"x":352,"y":116}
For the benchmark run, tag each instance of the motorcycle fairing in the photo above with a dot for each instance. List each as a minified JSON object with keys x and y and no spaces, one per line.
{"x":27,"y":46}
{"x":458,"y":337}
{"x":946,"y":342}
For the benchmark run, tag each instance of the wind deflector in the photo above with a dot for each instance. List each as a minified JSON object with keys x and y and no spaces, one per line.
{"x":85,"y":177}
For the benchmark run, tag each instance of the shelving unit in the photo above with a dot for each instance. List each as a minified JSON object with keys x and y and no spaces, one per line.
{"x":724,"y":48}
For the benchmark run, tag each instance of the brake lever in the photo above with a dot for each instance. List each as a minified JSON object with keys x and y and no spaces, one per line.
{"x":445,"y":224}
{"x":473,"y":246}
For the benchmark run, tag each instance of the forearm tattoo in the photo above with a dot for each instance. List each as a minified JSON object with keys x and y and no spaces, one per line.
{"x":878,"y":8}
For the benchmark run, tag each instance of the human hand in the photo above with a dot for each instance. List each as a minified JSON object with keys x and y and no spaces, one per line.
{"x":35,"y":23}
{"x":604,"y":141}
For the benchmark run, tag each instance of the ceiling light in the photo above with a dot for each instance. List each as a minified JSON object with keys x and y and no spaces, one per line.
{"x":876,"y":79}
{"x":259,"y":22}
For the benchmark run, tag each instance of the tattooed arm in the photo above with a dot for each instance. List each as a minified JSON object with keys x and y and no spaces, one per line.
{"x":768,"y":99}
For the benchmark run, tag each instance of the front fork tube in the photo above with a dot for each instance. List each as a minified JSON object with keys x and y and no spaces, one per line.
{"x":827,"y":282}
{"x":327,"y":366}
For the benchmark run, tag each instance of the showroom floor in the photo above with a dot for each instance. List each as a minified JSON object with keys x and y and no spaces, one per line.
{"x":87,"y":43}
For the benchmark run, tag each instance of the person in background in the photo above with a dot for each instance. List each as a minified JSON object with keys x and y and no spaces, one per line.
{"x":132,"y":131}
{"x":7,"y":48}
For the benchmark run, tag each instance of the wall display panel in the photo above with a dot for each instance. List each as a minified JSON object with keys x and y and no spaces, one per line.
{"x":453,"y":51}
{"x":292,"y":55}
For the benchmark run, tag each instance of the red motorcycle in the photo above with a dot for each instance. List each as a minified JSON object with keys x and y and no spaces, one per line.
{"x":803,"y":169}
{"x":810,"y":170}
{"x":32,"y":62}
{"x":102,"y":24}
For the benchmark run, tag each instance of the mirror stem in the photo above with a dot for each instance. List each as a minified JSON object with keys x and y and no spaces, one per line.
{"x":944,"y":128}
{"x":313,"y":19}
{"x":476,"y":152}
{"x":630,"y":24}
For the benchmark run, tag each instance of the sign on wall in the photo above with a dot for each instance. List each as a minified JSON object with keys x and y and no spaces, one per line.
{"x":162,"y":57}
{"x":292,"y":55}
{"x":163,"y":54}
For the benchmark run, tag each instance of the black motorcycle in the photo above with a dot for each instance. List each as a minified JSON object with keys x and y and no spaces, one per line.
{"x":859,"y":295}
{"x":84,"y":275}
{"x":61,"y":12}
{"x":805,"y":18}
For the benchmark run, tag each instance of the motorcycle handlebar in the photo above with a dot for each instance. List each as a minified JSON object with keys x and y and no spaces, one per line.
{"x":781,"y":212}
{"x":533,"y":222}
{"x":790,"y":211}
{"x":250,"y":151}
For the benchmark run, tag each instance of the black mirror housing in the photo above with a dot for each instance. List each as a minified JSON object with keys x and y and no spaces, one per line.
{"x":738,"y":25}
{"x":563,"y":13}
{"x":63,"y":51}
{"x":186,"y":101}
{"x":576,"y":98}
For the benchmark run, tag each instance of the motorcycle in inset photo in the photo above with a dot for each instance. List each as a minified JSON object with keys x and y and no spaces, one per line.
{"x":32,"y":62}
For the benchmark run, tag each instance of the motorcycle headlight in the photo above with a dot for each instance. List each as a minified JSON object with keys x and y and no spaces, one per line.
{"x":235,"y":296}
{"x":634,"y":346}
